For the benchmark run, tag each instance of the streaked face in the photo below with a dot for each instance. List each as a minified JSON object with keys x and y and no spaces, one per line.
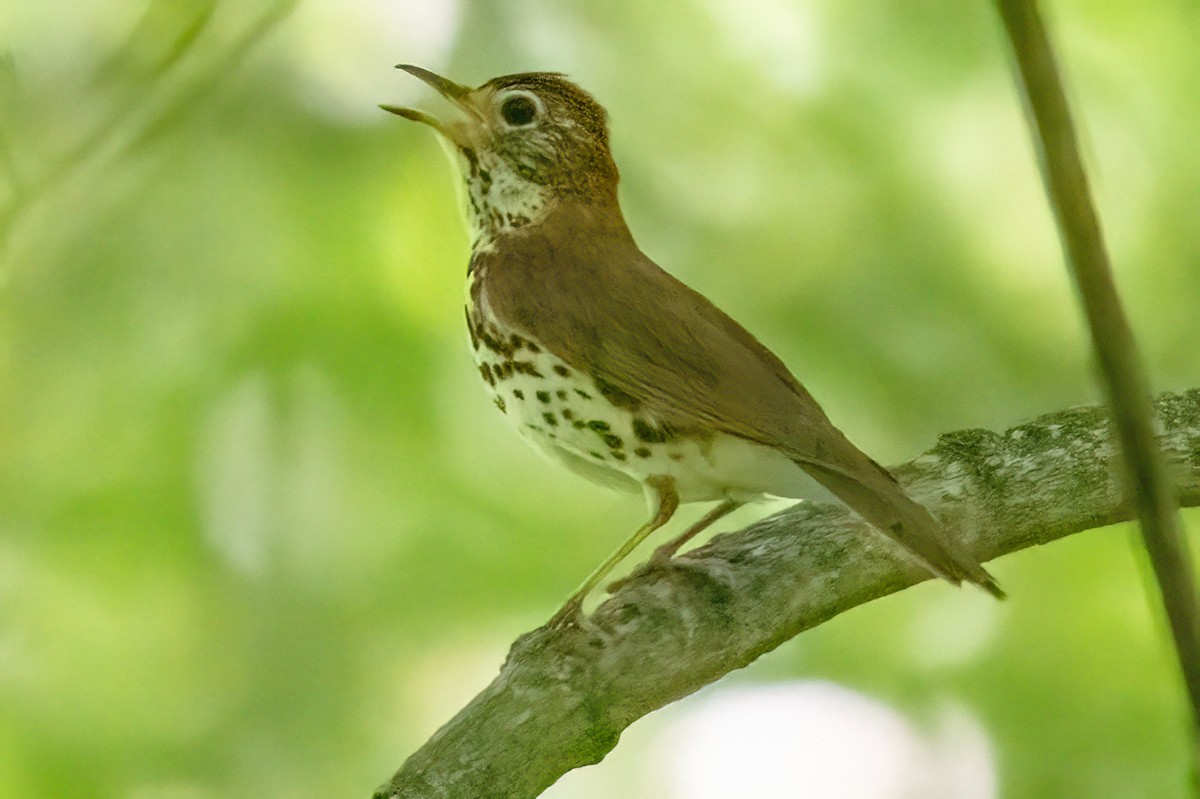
{"x":539,"y":126}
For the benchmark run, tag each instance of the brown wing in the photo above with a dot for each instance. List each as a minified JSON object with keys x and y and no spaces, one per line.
{"x":585,"y":291}
{"x":593,"y":298}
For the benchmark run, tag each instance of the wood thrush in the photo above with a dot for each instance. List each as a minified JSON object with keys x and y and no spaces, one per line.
{"x":614,"y":368}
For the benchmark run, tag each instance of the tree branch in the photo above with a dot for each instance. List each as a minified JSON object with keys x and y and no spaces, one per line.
{"x":562,"y":698}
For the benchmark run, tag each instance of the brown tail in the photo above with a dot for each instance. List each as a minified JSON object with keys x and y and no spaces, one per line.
{"x":876,"y":496}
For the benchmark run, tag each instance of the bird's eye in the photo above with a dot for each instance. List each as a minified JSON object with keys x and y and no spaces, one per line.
{"x":518,"y":110}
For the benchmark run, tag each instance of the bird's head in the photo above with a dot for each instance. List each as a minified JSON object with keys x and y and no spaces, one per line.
{"x":523,"y":141}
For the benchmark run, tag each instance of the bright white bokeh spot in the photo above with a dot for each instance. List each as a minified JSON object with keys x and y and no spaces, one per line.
{"x":341,"y":54}
{"x":779,"y":38}
{"x":817,"y":739}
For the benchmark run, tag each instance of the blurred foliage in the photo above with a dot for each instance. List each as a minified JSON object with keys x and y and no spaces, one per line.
{"x":260,"y":530}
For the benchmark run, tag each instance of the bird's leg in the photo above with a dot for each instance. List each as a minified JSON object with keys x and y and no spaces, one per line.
{"x":667,"y":551}
{"x":665,"y":499}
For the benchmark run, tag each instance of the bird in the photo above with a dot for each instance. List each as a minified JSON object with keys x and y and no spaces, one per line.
{"x":613,"y":367}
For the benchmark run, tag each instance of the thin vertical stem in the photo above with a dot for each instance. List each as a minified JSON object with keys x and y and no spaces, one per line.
{"x":1120,"y":365}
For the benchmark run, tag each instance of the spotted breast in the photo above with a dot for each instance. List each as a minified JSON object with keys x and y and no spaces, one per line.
{"x":556,"y":408}
{"x":601,"y":433}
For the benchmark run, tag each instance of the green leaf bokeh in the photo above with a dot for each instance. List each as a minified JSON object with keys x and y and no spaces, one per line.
{"x":260,"y":529}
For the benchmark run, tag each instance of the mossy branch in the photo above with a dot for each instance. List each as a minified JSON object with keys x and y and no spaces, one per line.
{"x":562,"y":699}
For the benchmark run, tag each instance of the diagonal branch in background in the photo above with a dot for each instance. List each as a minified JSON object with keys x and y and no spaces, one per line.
{"x":563,"y":697}
{"x":1121,"y":367}
{"x":160,"y":97}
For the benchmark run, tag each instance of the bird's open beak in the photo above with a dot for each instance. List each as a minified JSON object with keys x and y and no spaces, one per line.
{"x":456,"y":94}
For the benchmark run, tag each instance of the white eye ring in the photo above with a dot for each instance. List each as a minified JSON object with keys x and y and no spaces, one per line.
{"x":520,"y":109}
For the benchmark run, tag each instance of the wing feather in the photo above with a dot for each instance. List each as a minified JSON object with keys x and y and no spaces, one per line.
{"x":587,"y":293}
{"x":601,"y":305}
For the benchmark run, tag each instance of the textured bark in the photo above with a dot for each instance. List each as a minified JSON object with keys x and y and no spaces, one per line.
{"x":562,"y":698}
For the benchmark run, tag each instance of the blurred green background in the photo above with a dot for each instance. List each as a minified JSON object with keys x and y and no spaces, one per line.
{"x":261,"y":531}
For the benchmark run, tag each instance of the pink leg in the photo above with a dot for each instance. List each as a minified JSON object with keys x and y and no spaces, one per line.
{"x":667,"y":551}
{"x":667,"y":500}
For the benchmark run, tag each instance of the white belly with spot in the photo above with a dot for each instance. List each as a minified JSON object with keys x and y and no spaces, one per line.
{"x":567,"y":417}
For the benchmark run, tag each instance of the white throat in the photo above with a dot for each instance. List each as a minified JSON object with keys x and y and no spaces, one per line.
{"x":495,"y":198}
